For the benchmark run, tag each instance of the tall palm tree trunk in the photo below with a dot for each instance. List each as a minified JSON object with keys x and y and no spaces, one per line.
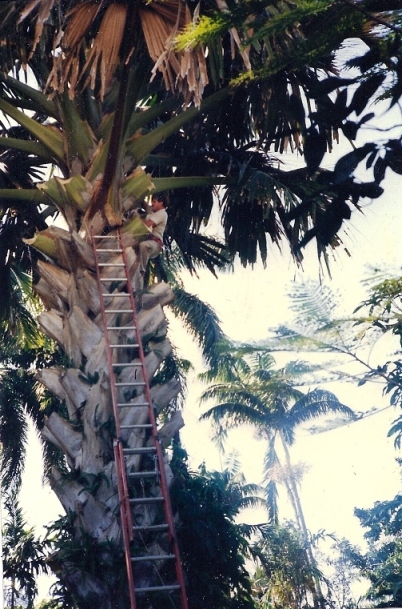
{"x":293,"y":493}
{"x":83,"y":432}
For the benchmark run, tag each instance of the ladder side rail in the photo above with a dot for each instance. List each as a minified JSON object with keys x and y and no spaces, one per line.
{"x":108,"y":349}
{"x":122,"y":487}
{"x":157,"y":442}
{"x":125,"y":518}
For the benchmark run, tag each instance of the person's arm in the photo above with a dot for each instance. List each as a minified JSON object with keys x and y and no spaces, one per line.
{"x":150,"y":223}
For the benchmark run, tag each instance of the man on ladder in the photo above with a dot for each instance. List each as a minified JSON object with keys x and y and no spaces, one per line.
{"x":151,"y":248}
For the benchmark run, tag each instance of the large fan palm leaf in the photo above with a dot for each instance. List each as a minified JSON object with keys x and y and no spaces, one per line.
{"x":96,"y":37}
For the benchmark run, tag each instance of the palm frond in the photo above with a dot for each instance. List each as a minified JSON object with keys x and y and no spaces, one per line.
{"x":271,"y":499}
{"x":315,"y":403}
{"x":196,"y":250}
{"x":199,"y":319}
{"x":236,"y":392}
{"x":233,"y":414}
{"x":18,"y":306}
{"x":229,"y":363}
{"x":13,"y":428}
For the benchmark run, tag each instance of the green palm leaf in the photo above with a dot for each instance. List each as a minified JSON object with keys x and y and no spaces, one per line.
{"x":271,"y":463}
{"x":317,"y":402}
{"x":47,"y":136}
{"x":13,"y":427}
{"x":199,"y":319}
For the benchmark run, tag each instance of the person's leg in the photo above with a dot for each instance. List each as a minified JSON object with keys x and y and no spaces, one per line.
{"x":145,"y":251}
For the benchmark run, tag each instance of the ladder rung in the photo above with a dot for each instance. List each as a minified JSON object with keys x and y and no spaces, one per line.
{"x":136,"y":405}
{"x":152,"y":527}
{"x":143,"y":474}
{"x":158,"y":588}
{"x":139,"y":451}
{"x":119,"y":294}
{"x":119,"y":264}
{"x":144,"y":426}
{"x":110,"y":236}
{"x":108,"y":249}
{"x":146,"y":500}
{"x":102,"y":250}
{"x":149,"y":557}
{"x":132,"y":384}
{"x":118,"y":310}
{"x":129,"y":346}
{"x":127,"y":365}
{"x":120,"y":327}
{"x":112,"y":279}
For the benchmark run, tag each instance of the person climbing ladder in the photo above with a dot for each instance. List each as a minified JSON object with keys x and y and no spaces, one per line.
{"x":151,"y":248}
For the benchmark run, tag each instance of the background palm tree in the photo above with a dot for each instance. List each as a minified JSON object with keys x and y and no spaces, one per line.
{"x":284,"y":577}
{"x":23,"y":556}
{"x":250,"y":391}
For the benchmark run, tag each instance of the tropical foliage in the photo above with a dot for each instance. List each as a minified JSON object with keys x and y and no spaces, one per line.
{"x":215,"y":546}
{"x":318,"y":327}
{"x":286,"y":100}
{"x":343,"y":570}
{"x":381,"y":563}
{"x":285,"y":578}
{"x":115,"y":109}
{"x":23,"y":557}
{"x":22,"y":399}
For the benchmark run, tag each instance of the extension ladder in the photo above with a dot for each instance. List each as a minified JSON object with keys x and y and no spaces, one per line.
{"x":106,"y":247}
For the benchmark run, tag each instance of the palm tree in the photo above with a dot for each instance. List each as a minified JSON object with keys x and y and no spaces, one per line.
{"x":210,"y":504}
{"x":250,"y":391}
{"x":288,"y":53}
{"x":112,"y":138}
{"x":23,"y":556}
{"x":284,"y":577}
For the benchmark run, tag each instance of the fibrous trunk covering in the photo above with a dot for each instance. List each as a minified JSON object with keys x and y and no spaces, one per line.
{"x":83,"y":431}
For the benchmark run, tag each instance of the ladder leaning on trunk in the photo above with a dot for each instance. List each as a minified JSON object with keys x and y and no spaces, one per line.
{"x":111,"y":259}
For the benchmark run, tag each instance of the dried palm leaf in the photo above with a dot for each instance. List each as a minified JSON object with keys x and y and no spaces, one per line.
{"x":184,"y":71}
{"x":66,"y":65}
{"x":45,"y":7}
{"x":174,"y":12}
{"x":156,"y":30}
{"x":161,"y":20}
{"x":104,"y":55}
{"x":79,"y":21}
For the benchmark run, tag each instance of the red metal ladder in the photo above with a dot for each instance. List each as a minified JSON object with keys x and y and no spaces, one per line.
{"x":132,"y":532}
